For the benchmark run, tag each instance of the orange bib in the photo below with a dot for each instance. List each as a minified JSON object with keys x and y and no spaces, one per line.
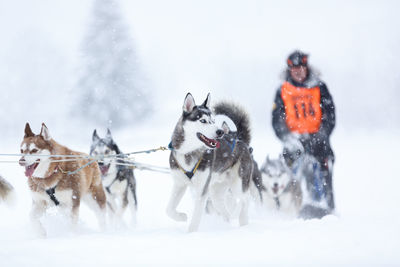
{"x":302,"y":107}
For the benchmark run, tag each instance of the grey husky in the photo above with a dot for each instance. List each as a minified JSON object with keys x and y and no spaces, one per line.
{"x":213,"y":166}
{"x":6,"y":191}
{"x":118,"y":179}
{"x":283,"y":192}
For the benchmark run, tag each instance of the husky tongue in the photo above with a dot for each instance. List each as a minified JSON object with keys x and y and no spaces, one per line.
{"x":275,"y":189}
{"x":30,"y":169}
{"x":209,"y":142}
{"x":104,"y":169}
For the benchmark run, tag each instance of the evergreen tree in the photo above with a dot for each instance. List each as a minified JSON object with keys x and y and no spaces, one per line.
{"x":111,"y":87}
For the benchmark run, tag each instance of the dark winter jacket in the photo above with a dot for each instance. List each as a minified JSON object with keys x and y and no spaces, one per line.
{"x":316,"y":143}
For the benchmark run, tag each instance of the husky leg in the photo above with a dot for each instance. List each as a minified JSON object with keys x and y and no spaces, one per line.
{"x":132,"y":201}
{"x":244,"y":211}
{"x":99,"y":196}
{"x":76,"y":201}
{"x":177,"y":193}
{"x":131,"y":198}
{"x":200,"y":205}
{"x":111,"y":209}
{"x":38,"y":209}
{"x":218,"y":193}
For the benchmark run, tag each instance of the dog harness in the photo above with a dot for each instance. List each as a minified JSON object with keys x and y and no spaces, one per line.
{"x":51,"y":192}
{"x":233,"y":145}
{"x":277,"y":202}
{"x":190,"y":174}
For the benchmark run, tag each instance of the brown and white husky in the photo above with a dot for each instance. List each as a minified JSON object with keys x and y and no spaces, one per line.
{"x":62,"y":183}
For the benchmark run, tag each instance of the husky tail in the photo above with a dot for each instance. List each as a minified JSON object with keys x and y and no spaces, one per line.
{"x":239,"y":117}
{"x":6,"y":192}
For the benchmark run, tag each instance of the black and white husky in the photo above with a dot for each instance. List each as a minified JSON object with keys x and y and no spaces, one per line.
{"x":118,"y":180}
{"x":210,"y":165}
{"x":282,"y":191}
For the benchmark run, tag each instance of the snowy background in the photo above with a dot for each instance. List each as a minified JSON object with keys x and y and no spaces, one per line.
{"x":236,"y":50}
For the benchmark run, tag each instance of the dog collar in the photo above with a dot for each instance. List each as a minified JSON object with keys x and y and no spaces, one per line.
{"x":170,"y":147}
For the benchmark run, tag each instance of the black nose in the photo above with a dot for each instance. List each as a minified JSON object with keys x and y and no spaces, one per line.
{"x":220,"y":133}
{"x":22,"y":161}
{"x":275,"y":184}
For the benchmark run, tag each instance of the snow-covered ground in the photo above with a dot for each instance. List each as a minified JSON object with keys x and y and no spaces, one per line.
{"x":365,"y":230}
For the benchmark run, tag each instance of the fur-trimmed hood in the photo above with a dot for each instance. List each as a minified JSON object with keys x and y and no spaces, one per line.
{"x":313,"y":78}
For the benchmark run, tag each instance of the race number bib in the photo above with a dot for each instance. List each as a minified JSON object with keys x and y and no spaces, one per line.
{"x":302,"y":107}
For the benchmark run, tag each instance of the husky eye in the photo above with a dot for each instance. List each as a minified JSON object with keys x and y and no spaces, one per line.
{"x":34,"y":150}
{"x":203,"y":121}
{"x":107,"y":151}
{"x":22,"y":152}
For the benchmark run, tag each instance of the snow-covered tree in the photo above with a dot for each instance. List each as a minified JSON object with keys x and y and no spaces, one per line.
{"x":111,"y":88}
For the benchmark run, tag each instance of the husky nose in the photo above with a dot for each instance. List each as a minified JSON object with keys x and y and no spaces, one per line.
{"x":220,"y":133}
{"x":22,"y":161}
{"x":275,"y":184}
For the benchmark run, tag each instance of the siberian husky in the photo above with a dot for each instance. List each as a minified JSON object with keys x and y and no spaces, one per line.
{"x":283,"y":193}
{"x":64,"y":183}
{"x":233,"y":166}
{"x":118,"y":180}
{"x":210,"y":167}
{"x":6,"y":191}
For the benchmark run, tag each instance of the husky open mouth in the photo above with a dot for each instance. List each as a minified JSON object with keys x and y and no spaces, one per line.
{"x":29,"y":170}
{"x":275,"y":189}
{"x":104,"y":168}
{"x":211,"y":143}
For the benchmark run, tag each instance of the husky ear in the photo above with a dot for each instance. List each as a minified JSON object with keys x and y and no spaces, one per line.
{"x":95,"y":137}
{"x":206,"y":102}
{"x":225,"y":127}
{"x":28,"y":131}
{"x":189,"y":103}
{"x":44,"y":132}
{"x":108,"y":135}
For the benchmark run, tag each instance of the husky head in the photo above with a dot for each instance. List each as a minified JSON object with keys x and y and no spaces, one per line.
{"x":196,"y":128}
{"x":227,"y":126}
{"x":35,"y":150}
{"x":104,"y":148}
{"x":276,"y":175}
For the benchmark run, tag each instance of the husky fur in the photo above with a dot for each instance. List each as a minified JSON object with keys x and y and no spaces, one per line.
{"x":118,"y":180}
{"x":52,"y":185}
{"x":234,"y":166}
{"x":6,"y":191}
{"x":282,"y":191}
{"x":221,"y":166}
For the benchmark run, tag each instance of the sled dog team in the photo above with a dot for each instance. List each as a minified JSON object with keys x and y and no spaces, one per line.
{"x":210,"y":154}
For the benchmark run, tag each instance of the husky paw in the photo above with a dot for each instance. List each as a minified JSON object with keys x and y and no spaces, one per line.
{"x":178,"y":216}
{"x":193,"y":228}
